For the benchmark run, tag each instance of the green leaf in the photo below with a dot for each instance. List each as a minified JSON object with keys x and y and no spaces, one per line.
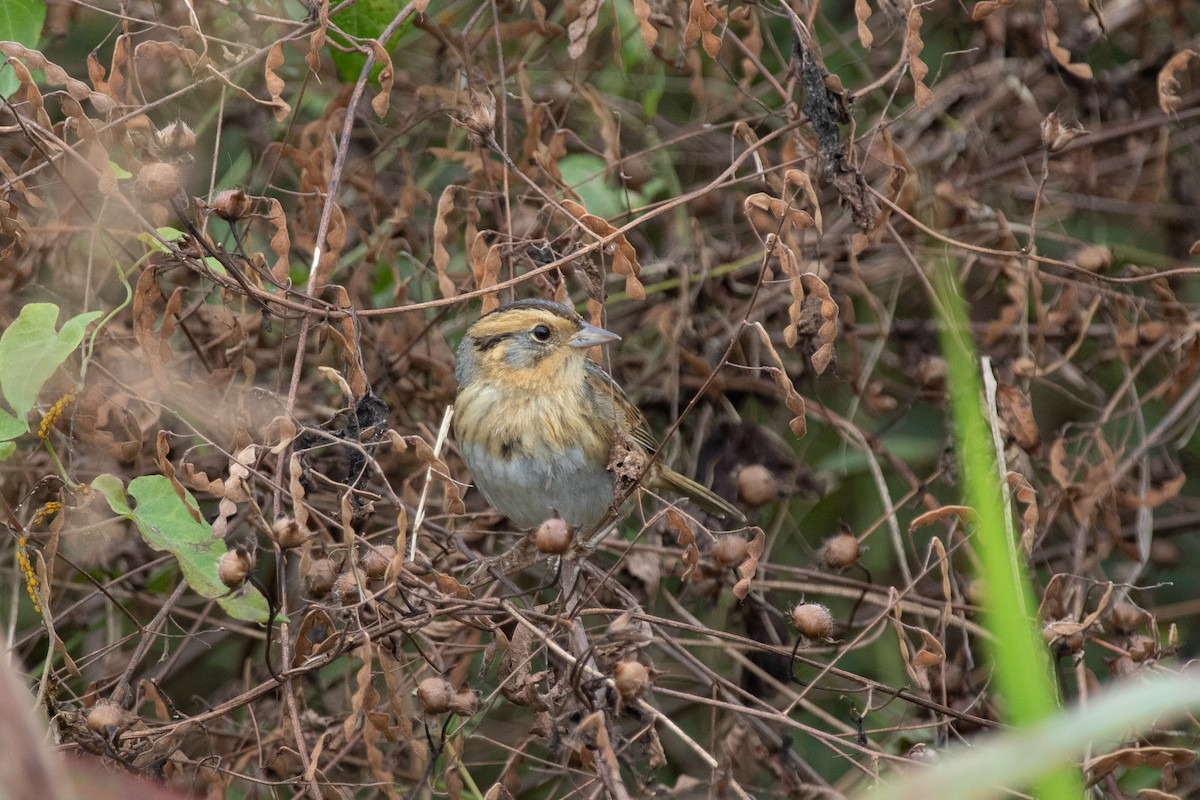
{"x":165,"y":523}
{"x":365,"y":19}
{"x":167,"y":234}
{"x":20,"y":21}
{"x":586,"y":174}
{"x":119,"y":172}
{"x":31,"y":350}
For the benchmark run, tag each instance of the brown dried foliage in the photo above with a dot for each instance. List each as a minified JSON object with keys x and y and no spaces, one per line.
{"x":282,"y":298}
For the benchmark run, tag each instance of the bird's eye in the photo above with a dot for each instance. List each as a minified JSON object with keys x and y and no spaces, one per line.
{"x":541,"y":333}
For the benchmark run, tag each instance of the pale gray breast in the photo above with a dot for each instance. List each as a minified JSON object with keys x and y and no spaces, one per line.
{"x":529,"y":490}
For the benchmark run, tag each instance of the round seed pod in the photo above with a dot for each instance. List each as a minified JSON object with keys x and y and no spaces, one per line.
{"x":235,"y":566}
{"x":464,"y":702}
{"x":553,"y":537}
{"x":1143,"y":647}
{"x":1125,"y":617}
{"x":813,"y":620}
{"x":231,"y":205}
{"x":632,"y":679}
{"x":319,"y":578}
{"x":375,"y":561}
{"x":287,"y":533}
{"x":756,"y":485}
{"x":434,"y":695}
{"x":729,"y":550}
{"x":842,"y":551}
{"x":346,"y":590}
{"x":176,"y":139}
{"x":157,"y":181}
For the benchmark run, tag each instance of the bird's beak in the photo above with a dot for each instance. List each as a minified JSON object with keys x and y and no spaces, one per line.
{"x":590,"y":336}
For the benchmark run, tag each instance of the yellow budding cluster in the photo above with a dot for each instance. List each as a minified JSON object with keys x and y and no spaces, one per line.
{"x":55,"y":413}
{"x":51,"y":508}
{"x":30,"y":574}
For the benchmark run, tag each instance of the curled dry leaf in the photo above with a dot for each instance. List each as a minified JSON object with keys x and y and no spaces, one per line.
{"x":792,"y":399}
{"x":485,"y":262}
{"x":1057,"y":134}
{"x":624,"y":256}
{"x":162,"y":447}
{"x":779,"y":209}
{"x":1133,"y":757}
{"x":702,"y":19}
{"x":454,"y":502}
{"x":1061,"y":54}
{"x":1016,"y":410}
{"x":827,"y":333}
{"x":862,"y":13}
{"x":642,"y":9}
{"x":931,"y":652}
{"x":442,"y":236}
{"x":801,"y":180}
{"x":747,"y":569}
{"x":281,"y":242}
{"x":54,"y":75}
{"x":1026,"y":496}
{"x":1154,"y":496}
{"x":685,"y":537}
{"x":582,"y":26}
{"x":1168,"y":84}
{"x":381,"y":101}
{"x":919,"y":675}
{"x":275,"y":84}
{"x":914,"y":46}
{"x":964,"y":513}
{"x":985,"y":8}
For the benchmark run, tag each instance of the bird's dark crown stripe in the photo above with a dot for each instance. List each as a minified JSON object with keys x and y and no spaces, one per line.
{"x":488,"y":342}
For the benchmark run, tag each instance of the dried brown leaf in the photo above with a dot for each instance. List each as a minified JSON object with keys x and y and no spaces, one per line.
{"x":1016,"y":411}
{"x":862,"y":13}
{"x":276,"y":84}
{"x":792,"y":398}
{"x":1168,"y":84}
{"x":965,"y":513}
{"x":316,"y":42}
{"x":702,"y":19}
{"x":485,"y":261}
{"x":749,"y":567}
{"x":443,"y":234}
{"x":1135,"y":757}
{"x":625,"y":261}
{"x":914,"y":46}
{"x":985,"y":8}
{"x":1057,"y":134}
{"x":610,"y":133}
{"x":162,"y":447}
{"x":642,"y":9}
{"x":920,"y":676}
{"x":1155,"y":496}
{"x":827,"y":333}
{"x":582,"y":26}
{"x":387,"y":75}
{"x":779,"y":209}
{"x":684,"y":536}
{"x":1061,"y":54}
{"x":1026,"y":496}
{"x":801,"y":179}
{"x":281,"y":242}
